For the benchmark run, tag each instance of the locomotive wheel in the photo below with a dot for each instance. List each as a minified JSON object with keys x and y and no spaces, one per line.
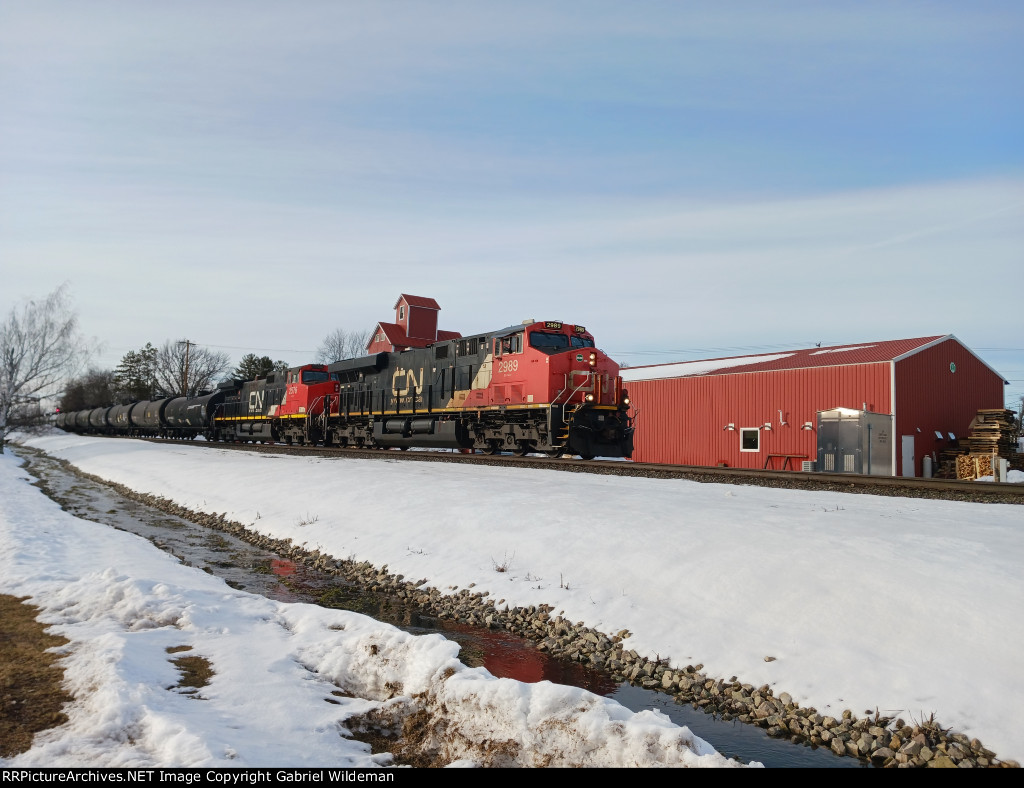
{"x":493,"y":447}
{"x":555,"y":453}
{"x":523,"y":448}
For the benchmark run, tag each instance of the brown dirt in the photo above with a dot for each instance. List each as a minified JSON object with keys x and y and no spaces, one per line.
{"x":196,"y":672}
{"x":31,"y":691}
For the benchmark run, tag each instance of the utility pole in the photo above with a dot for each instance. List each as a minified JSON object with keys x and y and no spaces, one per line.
{"x":184,"y":378}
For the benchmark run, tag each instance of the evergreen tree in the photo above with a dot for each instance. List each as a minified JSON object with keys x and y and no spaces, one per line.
{"x":253,"y":366}
{"x":134,"y":376}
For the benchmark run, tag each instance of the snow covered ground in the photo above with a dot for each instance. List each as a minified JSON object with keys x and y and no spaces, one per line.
{"x":908,"y":606}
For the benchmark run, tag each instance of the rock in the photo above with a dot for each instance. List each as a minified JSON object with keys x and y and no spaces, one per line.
{"x":899,"y":746}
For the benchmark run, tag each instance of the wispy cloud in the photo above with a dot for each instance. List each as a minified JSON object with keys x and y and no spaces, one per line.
{"x":672,"y":174}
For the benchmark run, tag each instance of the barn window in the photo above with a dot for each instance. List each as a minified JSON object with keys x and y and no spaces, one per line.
{"x":401,"y":313}
{"x":750,"y":439}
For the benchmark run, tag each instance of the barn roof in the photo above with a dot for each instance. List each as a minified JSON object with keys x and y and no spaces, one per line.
{"x":396,"y":335}
{"x":835,"y":356}
{"x":422,"y":301}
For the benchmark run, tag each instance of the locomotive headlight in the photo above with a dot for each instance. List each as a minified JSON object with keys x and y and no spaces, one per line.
{"x":625,"y":400}
{"x":590,"y":397}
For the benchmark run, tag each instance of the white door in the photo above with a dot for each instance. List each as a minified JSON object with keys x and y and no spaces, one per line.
{"x":909,"y":461}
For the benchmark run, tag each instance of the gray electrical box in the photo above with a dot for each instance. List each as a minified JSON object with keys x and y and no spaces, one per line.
{"x":855,"y":441}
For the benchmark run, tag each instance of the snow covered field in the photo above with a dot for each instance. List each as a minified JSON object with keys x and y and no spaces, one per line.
{"x":909,"y":606}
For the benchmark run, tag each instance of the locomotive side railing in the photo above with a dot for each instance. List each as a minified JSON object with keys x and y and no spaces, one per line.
{"x":589,"y":376}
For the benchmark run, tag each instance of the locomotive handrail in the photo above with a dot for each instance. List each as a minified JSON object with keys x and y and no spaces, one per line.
{"x":588,"y":377}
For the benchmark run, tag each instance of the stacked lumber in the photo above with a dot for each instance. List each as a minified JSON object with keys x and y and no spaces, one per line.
{"x":946,"y":463}
{"x":974,"y":466}
{"x":993,"y":432}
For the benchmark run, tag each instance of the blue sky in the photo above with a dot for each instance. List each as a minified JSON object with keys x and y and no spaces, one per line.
{"x":685,"y":178}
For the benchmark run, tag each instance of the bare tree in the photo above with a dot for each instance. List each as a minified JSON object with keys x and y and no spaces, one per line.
{"x":341,"y":344}
{"x":97,"y":388}
{"x":183,"y":368}
{"x":40,"y":348}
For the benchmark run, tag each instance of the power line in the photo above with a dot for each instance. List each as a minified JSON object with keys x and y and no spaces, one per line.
{"x":788,"y":346}
{"x":228,"y":347}
{"x":262,"y":349}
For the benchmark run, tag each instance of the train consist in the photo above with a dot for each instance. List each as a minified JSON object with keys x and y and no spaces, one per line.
{"x":534,"y":387}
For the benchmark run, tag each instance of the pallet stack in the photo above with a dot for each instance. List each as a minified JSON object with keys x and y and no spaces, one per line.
{"x":993,"y":434}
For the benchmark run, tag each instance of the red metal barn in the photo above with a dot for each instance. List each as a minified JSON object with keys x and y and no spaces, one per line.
{"x":907,"y":398}
{"x":415,"y":326}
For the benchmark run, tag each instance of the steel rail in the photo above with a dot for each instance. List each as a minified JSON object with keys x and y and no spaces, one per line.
{"x":951,"y":489}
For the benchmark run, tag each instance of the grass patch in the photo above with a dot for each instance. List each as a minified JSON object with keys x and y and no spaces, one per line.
{"x":196,"y":672}
{"x":31,"y":692}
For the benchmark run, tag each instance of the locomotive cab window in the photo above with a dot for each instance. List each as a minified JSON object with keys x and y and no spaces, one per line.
{"x":750,"y":439}
{"x":549,"y":343}
{"x":581,"y":341}
{"x":506,"y":345}
{"x":310,"y":376}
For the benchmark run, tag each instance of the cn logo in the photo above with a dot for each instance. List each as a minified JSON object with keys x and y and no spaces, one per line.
{"x":256,"y":401}
{"x":403,"y":380}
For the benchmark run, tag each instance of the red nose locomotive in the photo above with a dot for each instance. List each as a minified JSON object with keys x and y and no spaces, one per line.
{"x":535,"y":387}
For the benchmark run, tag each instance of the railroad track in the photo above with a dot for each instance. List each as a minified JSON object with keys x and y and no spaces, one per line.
{"x":941,"y":489}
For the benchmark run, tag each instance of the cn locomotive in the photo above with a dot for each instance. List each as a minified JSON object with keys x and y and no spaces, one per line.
{"x":535,"y":387}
